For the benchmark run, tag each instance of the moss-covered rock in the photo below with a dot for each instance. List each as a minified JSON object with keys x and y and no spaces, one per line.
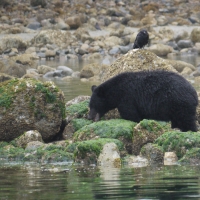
{"x":53,"y":153}
{"x":28,"y":104}
{"x":146,"y":132}
{"x":74,"y":126}
{"x":179,"y":142}
{"x":78,"y":110}
{"x":44,"y":154}
{"x":27,"y":137}
{"x":153,"y":153}
{"x":116,"y":128}
{"x":89,"y":151}
{"x":9,"y":152}
{"x":191,"y":157}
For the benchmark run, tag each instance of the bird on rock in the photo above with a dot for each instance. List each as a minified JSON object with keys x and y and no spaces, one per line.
{"x":141,"y":40}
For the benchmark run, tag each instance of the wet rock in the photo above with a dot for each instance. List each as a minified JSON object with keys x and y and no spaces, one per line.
{"x":147,"y":131}
{"x":87,"y":152}
{"x":43,"y":69}
{"x":27,"y":104}
{"x":65,"y":71}
{"x":184,"y":44}
{"x":192,"y":157}
{"x":27,"y":137}
{"x":136,"y":161}
{"x":182,"y":142}
{"x":34,"y":145}
{"x":73,"y":126}
{"x":170,"y":158}
{"x":153,"y":153}
{"x":109,"y":156}
{"x":122,"y":130}
{"x":77,"y":110}
{"x":50,"y":54}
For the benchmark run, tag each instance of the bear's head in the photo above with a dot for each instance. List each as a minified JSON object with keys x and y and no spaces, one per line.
{"x":98,"y":106}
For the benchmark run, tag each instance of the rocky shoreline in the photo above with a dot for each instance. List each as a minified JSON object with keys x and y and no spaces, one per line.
{"x":37,"y":125}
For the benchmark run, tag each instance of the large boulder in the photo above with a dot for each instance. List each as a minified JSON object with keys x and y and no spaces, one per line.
{"x":27,"y":104}
{"x":136,"y":60}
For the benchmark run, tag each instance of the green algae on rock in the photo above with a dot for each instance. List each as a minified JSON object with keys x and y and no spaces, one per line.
{"x":78,"y":110}
{"x":192,"y":157}
{"x":74,"y":126}
{"x":153,"y":153}
{"x":44,"y":154}
{"x":179,"y":142}
{"x":89,"y":151}
{"x":28,"y":104}
{"x":115,"y":128}
{"x":147,"y":131}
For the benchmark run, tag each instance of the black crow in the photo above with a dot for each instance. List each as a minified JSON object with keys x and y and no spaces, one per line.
{"x":141,"y":40}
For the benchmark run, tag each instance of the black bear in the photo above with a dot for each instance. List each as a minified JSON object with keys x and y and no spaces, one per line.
{"x":158,"y":95}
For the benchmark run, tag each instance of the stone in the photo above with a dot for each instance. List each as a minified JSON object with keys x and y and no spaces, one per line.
{"x":11,"y":41}
{"x":170,"y":158}
{"x":184,"y":44}
{"x":160,"y":49}
{"x":136,"y":60}
{"x":59,"y":37}
{"x":109,"y":156}
{"x":195,"y":35}
{"x":74,"y":22}
{"x":28,"y":136}
{"x":43,"y":69}
{"x":28,"y":104}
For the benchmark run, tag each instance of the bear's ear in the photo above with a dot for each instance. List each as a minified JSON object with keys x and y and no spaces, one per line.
{"x":93,"y":88}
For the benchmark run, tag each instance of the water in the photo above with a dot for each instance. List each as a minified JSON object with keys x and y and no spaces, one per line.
{"x":76,"y":182}
{"x":72,"y":87}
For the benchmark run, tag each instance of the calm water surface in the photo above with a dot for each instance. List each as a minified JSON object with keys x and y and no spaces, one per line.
{"x":75,"y":182}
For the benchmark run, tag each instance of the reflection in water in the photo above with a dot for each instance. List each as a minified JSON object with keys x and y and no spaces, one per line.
{"x":72,"y":87}
{"x":167,"y":182}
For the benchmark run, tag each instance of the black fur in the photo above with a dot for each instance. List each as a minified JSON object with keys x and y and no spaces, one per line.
{"x":141,"y":40}
{"x":158,"y":95}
